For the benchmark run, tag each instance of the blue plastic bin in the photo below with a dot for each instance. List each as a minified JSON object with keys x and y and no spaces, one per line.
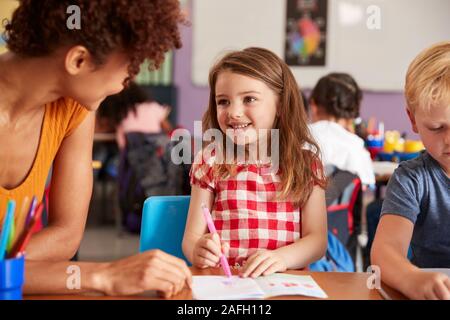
{"x":12,"y":278}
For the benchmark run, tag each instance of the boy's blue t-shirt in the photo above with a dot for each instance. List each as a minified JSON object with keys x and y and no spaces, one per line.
{"x":419,"y":190}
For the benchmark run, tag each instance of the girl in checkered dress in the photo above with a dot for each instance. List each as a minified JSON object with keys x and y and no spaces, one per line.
{"x":269,"y":210}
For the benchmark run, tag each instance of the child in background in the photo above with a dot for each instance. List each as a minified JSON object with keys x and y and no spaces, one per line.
{"x":335,"y":103}
{"x":270,"y":220}
{"x":416,"y":210}
{"x":132,"y":110}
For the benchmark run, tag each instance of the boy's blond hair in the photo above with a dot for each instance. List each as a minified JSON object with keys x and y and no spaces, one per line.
{"x":428,"y":78}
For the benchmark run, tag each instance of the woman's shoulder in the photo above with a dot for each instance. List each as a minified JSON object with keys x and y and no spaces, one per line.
{"x":65,"y":114}
{"x":65,"y":108}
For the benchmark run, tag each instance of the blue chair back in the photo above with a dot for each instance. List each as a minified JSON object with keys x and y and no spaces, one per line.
{"x":163,"y":223}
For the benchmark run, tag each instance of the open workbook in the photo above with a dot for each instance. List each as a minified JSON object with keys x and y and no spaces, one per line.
{"x":236,"y":288}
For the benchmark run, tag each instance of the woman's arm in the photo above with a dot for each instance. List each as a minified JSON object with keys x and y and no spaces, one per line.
{"x":309,"y":248}
{"x":151,"y":270}
{"x":195,"y":224}
{"x":71,"y":189}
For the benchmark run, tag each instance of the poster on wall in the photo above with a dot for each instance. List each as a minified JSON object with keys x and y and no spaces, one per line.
{"x":306,"y":30}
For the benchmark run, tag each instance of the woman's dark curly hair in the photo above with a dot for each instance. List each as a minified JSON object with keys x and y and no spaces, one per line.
{"x":339,"y":95}
{"x":143,"y":29}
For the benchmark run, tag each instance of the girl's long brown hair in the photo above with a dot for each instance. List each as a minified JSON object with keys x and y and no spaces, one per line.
{"x":299,"y":161}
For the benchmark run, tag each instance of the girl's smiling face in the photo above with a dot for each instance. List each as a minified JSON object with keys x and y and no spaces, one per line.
{"x":245,"y":105}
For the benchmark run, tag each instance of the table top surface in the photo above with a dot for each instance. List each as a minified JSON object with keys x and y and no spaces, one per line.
{"x":383,"y":170}
{"x":104,"y":137}
{"x":337,"y":285}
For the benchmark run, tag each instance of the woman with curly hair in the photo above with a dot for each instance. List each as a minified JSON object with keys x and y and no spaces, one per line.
{"x":51,"y":81}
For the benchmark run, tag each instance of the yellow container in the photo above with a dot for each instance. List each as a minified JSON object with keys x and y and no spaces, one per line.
{"x":389,"y":145}
{"x":400,"y":145}
{"x":393,"y":142}
{"x":413,"y":146}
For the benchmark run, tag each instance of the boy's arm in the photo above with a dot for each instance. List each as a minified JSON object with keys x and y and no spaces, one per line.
{"x":195,"y":224}
{"x":313,"y":243}
{"x":70,"y":194}
{"x":389,"y":252}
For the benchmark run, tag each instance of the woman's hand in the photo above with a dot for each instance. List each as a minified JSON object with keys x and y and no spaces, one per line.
{"x":423,"y":285}
{"x":151,"y":270}
{"x":263,"y":262}
{"x":208,"y":249}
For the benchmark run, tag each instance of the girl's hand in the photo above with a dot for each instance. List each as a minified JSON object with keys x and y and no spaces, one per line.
{"x":263,"y":262}
{"x":208,"y":250}
{"x":428,"y":285}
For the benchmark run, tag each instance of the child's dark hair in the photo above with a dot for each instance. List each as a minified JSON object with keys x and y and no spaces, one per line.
{"x":305,"y":102}
{"x":339,"y":95}
{"x":143,"y":29}
{"x":116,"y":107}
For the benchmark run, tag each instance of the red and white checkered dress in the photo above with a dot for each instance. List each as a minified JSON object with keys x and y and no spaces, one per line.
{"x":245,"y":210}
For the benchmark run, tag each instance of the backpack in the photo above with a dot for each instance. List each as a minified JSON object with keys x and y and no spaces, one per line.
{"x":145,"y":170}
{"x":336,"y":259}
{"x":344,"y":205}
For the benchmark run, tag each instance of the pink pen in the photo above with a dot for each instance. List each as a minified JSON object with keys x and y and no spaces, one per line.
{"x":212,"y":229}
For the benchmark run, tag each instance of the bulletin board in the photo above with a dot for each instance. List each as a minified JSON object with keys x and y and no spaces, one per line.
{"x":378,"y":57}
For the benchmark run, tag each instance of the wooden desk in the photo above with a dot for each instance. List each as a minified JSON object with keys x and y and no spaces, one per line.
{"x":337,"y":285}
{"x":383,"y":170}
{"x":104,"y":137}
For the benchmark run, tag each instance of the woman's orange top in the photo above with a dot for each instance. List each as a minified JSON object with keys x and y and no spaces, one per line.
{"x":61,"y":118}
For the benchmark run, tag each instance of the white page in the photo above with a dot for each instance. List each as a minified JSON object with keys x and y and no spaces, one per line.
{"x":287,"y":284}
{"x":221,"y":288}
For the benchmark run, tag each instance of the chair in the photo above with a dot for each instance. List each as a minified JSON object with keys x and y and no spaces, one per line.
{"x":342,"y":196}
{"x":344,"y":202}
{"x":163,"y":223}
{"x":146,"y":169}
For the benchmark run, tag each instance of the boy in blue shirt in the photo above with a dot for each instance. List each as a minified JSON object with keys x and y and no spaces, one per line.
{"x":416,"y":209}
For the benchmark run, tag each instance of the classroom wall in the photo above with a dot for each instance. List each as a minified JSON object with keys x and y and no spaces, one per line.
{"x":6,"y":9}
{"x":192,"y":100}
{"x":376,"y":56}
